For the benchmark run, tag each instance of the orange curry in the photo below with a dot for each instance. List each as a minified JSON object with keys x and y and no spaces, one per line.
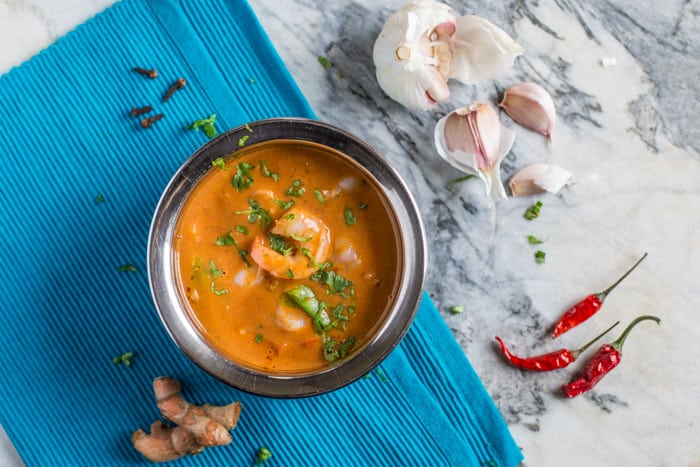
{"x":287,"y":256}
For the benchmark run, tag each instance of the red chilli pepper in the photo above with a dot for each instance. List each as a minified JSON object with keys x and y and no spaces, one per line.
{"x":551,"y":361}
{"x":587,"y":307}
{"x":607,"y":358}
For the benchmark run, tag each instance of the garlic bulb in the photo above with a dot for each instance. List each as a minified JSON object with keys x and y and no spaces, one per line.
{"x":424,"y":44}
{"x":530,"y":106}
{"x":538,"y":178}
{"x":409,"y":54}
{"x":484,"y":50}
{"x":473,"y":140}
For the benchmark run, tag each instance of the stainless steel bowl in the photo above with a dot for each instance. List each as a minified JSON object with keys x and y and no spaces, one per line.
{"x":171,"y":305}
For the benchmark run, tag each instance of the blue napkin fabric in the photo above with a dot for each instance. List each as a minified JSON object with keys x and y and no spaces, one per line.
{"x":79,"y":180}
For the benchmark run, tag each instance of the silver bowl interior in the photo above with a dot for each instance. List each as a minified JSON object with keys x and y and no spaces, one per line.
{"x":168,"y":300}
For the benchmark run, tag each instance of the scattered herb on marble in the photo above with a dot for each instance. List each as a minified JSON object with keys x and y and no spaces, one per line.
{"x":533,"y":211}
{"x":123,"y":359}
{"x":587,"y":307}
{"x":540,"y":256}
{"x":325,"y":63}
{"x":208,"y":125}
{"x":176,"y":86}
{"x":457,"y":309}
{"x":532,"y":240}
{"x":602,"y":363}
{"x":550,"y":361}
{"x":263,"y":455}
{"x":451,"y":184}
{"x":126,"y":268}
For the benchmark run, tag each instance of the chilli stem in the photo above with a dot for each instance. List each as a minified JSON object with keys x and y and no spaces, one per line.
{"x":617,"y":345}
{"x":578,"y":352}
{"x":601,"y":296}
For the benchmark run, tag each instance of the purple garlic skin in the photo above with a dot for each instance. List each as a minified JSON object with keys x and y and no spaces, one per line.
{"x":473,"y":140}
{"x":531,"y":107}
{"x":539,"y":178}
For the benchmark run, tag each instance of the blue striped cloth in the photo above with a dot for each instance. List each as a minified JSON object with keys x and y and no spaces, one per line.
{"x":79,"y":180}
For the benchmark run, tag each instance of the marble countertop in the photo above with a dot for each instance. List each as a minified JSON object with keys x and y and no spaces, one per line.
{"x":624,"y":130}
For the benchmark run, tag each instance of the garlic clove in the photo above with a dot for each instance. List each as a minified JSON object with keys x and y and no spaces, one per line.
{"x":481,"y":50}
{"x":408,"y":56}
{"x":530,"y":106}
{"x":539,"y":178}
{"x":473,"y":140}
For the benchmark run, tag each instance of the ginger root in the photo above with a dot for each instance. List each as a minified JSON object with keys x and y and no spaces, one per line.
{"x":196,"y":427}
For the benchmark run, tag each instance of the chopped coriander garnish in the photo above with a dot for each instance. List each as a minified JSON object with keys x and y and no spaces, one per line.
{"x":319,"y":196}
{"x":99,"y":198}
{"x":266,"y":172}
{"x":207,"y":125}
{"x":325,"y":63}
{"x":457,"y":309}
{"x":258,"y":338}
{"x":242,"y":229}
{"x":539,"y":256}
{"x":251,"y":80}
{"x":290,"y":216}
{"x":124,"y":359}
{"x":126,"y":268}
{"x":213,"y":273}
{"x":247,"y":127}
{"x":243,"y":178}
{"x":301,"y":239}
{"x":335,"y":282}
{"x":216,"y":291}
{"x":256,"y":213}
{"x":279,"y":244}
{"x":452,"y":183}
{"x":296,"y":189}
{"x":219,"y":162}
{"x":362,"y":206}
{"x":381,"y":375}
{"x":263,"y":455}
{"x":284,"y":204}
{"x":224,"y":240}
{"x":533,"y":211}
{"x":350,"y":218}
{"x":333,"y":350}
{"x":289,"y":274}
{"x":534,"y":240}
{"x":227,"y":240}
{"x":242,"y":140}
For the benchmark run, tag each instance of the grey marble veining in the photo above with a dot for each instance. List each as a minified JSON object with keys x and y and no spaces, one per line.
{"x":629,"y":135}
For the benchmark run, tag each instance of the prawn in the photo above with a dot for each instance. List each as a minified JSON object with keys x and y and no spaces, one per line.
{"x":311,"y":240}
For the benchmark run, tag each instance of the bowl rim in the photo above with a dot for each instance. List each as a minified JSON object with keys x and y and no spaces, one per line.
{"x":413,"y":252}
